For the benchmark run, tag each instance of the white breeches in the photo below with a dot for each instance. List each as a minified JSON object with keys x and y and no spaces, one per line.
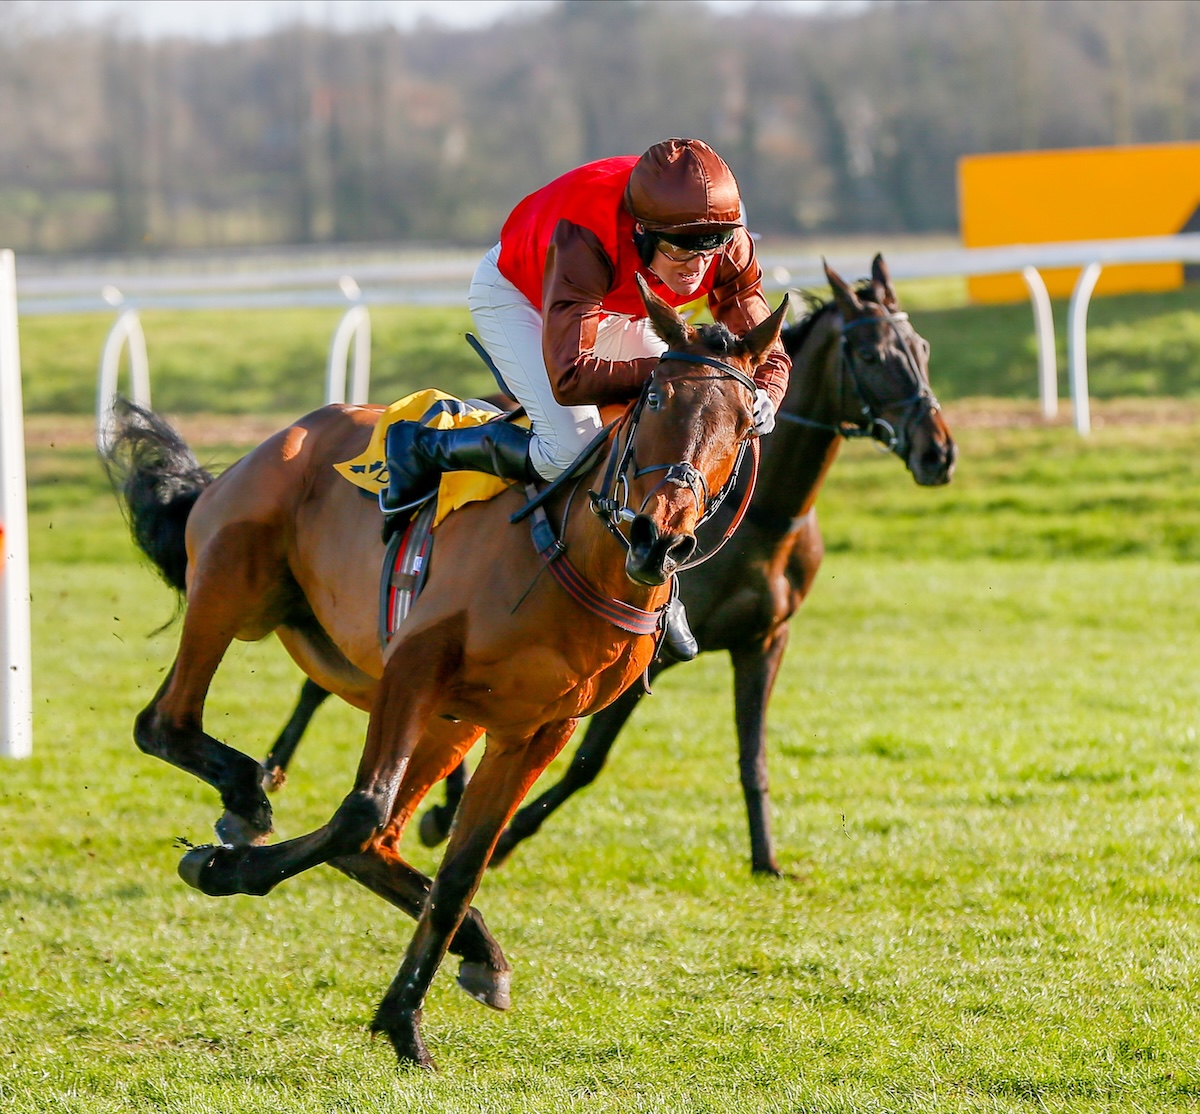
{"x":510,"y":328}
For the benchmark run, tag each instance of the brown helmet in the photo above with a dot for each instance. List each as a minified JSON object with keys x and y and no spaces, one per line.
{"x":683,"y":185}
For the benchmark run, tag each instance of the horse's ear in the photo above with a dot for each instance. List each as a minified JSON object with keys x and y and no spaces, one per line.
{"x":885,"y":292}
{"x":847,"y":300}
{"x":671,"y":328}
{"x":759,"y":340}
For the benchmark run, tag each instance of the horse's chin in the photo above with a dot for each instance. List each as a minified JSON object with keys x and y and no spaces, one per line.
{"x":649,"y":578}
{"x":934,"y":464}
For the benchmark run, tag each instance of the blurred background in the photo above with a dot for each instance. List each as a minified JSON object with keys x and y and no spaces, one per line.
{"x":154,"y":126}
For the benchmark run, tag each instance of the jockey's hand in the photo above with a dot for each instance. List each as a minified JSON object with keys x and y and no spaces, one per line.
{"x":764,"y":413}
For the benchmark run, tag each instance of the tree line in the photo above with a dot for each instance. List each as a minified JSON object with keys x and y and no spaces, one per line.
{"x":846,"y":119}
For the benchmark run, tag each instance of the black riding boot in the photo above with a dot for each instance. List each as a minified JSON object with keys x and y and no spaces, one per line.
{"x":678,"y":644}
{"x":417,"y":456}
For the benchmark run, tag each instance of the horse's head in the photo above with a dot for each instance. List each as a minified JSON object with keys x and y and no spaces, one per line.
{"x":886,"y":363}
{"x":684,"y":438}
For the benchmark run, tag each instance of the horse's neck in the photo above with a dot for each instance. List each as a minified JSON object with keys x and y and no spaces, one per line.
{"x":797,"y":457}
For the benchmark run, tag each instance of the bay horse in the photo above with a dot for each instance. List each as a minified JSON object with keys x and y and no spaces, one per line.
{"x":858,"y":369}
{"x":280,"y":542}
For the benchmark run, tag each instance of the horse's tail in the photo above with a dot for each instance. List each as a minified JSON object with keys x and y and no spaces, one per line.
{"x":158,"y":480}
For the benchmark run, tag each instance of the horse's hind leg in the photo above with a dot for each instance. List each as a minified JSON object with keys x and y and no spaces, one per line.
{"x":405,"y":701}
{"x":502,"y":780}
{"x":435,"y":823}
{"x":170,"y":727}
{"x":312,"y":696}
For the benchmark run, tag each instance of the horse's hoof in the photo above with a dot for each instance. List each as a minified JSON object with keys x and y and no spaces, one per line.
{"x":485,"y":984}
{"x":274,"y":779}
{"x":766,"y":870}
{"x":404,"y":1031}
{"x":193,"y":865}
{"x":237,"y":831}
{"x":431,"y":830}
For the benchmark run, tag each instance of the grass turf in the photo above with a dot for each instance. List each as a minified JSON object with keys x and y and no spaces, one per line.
{"x":984,"y":760}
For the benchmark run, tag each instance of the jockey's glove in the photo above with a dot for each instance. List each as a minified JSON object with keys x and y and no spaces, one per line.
{"x":764,"y":413}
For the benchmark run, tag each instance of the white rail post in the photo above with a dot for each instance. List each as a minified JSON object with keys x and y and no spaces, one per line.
{"x":16,"y":682}
{"x":1077,"y":346}
{"x":126,"y":328}
{"x":1043,"y":324}
{"x":355,"y":326}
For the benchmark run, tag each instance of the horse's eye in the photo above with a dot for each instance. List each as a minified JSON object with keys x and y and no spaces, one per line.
{"x":869,"y":355}
{"x":654,"y":398}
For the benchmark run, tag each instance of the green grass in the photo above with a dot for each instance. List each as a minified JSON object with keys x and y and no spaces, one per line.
{"x":254,"y":361}
{"x":984,"y":765}
{"x":248,"y":361}
{"x":1138,"y":345}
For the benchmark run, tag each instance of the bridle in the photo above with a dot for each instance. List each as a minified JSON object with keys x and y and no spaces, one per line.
{"x":611,"y":503}
{"x":613,"y":510}
{"x":891,"y":438}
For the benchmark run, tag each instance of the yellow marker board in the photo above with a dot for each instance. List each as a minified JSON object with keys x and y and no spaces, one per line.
{"x":1101,"y":193}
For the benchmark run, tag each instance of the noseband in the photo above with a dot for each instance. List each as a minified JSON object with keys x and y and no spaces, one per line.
{"x":872,"y":424}
{"x":611,"y":504}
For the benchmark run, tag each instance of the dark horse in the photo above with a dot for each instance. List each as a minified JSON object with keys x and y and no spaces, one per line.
{"x":858,"y":369}
{"x":280,"y":542}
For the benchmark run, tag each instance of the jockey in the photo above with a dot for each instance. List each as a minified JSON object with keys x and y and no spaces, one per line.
{"x":556,"y":305}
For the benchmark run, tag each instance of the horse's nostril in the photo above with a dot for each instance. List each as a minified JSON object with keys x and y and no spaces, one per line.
{"x":643,"y":533}
{"x":681,"y":548}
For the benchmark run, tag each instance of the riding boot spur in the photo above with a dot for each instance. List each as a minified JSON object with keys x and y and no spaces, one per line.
{"x":679,"y":644}
{"x":418,"y":455}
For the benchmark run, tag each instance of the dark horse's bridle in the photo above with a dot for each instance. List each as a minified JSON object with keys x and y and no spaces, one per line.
{"x":871,"y":423}
{"x":622,"y":467}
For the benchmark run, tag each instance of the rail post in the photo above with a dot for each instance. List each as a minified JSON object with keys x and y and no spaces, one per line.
{"x":1043,"y":325}
{"x":126,"y":329}
{"x":355,"y":326}
{"x":1077,"y":346}
{"x":16,"y":669}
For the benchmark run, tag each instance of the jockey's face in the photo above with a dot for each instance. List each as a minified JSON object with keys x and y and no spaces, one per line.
{"x":681,"y":271}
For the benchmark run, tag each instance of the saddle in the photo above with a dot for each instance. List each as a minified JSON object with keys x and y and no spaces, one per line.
{"x":439,"y":410}
{"x":408,"y":553}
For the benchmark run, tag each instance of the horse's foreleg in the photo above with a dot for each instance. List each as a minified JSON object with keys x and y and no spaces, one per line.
{"x":435,"y":823}
{"x":484,"y":973}
{"x":312,"y":696}
{"x":405,"y":701}
{"x":501,"y":781}
{"x":586,"y":764}
{"x":754,"y":673}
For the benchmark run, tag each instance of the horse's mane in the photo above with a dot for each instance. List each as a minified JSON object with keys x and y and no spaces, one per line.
{"x":718,"y":338}
{"x":794,"y":336}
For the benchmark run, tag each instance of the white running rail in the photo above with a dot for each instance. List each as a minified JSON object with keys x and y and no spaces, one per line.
{"x":16,"y":684}
{"x":433,"y":278}
{"x":126,"y":330}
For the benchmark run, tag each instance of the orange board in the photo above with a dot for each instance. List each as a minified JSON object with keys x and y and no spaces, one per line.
{"x":1094,"y":193}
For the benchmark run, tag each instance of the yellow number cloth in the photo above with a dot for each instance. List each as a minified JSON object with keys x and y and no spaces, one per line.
{"x":368,"y":470}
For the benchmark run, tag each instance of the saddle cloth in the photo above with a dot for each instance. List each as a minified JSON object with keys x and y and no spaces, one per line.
{"x":438,"y":410}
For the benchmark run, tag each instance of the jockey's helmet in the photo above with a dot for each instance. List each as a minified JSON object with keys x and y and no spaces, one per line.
{"x":681,"y":191}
